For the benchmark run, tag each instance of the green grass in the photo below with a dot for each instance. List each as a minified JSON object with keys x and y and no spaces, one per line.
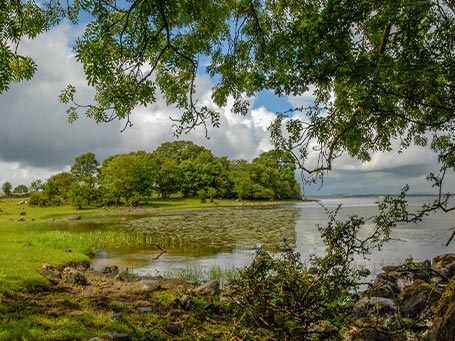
{"x":27,"y":245}
{"x":43,"y":236}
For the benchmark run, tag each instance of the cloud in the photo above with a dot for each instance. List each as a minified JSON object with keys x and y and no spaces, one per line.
{"x":36,"y":141}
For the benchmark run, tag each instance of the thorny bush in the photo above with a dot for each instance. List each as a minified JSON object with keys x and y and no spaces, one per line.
{"x":289,"y":299}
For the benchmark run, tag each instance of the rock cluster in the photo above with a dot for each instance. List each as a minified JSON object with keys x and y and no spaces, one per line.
{"x":409,"y":302}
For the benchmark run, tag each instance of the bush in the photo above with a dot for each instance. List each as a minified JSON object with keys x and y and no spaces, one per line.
{"x":281,"y":295}
{"x":38,"y":199}
{"x":292,"y":301}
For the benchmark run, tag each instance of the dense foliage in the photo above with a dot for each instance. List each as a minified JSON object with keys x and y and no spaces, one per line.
{"x":178,"y":168}
{"x":381,"y":73}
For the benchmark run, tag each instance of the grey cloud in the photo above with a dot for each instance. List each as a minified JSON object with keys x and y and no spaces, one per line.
{"x":34,"y":129}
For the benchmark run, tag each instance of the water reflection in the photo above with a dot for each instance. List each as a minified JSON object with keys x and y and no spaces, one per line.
{"x":227,"y":237}
{"x":224,"y":237}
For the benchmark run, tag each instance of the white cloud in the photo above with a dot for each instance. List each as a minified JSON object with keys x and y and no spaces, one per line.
{"x":36,"y":141}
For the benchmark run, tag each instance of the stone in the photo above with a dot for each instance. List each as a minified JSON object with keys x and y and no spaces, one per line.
{"x":378,"y":305}
{"x":415,"y":298}
{"x":383,"y":287}
{"x":23,"y":213}
{"x":210,"y":288}
{"x":145,"y":309}
{"x":73,"y":217}
{"x":187,"y":303}
{"x":367,"y":334}
{"x":74,"y":276}
{"x":113,"y":269}
{"x":444,"y":264}
{"x":149,"y":285}
{"x":115,"y":317}
{"x":116,"y":336}
{"x":443,"y":327}
{"x":97,"y":339}
{"x":50,"y":271}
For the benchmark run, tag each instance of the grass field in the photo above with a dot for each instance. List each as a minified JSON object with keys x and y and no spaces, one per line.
{"x":29,"y":236}
{"x":33,"y":307}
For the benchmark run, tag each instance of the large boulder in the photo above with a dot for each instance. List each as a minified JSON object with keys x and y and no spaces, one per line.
{"x":444,"y":321}
{"x":417,"y":297}
{"x":444,"y":264}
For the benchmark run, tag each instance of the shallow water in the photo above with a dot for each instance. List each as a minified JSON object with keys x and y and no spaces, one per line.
{"x":227,"y":237}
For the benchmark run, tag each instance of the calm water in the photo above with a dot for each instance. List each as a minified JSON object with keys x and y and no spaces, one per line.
{"x":221,"y":238}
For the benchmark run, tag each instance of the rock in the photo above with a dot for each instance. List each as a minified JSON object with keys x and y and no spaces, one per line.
{"x":444,"y":264}
{"x":443,"y":327}
{"x":73,"y":217}
{"x":74,"y":276}
{"x":145,"y":309}
{"x":367,"y":334}
{"x":51,"y":271}
{"x":210,"y":288}
{"x":364,"y":272}
{"x":113,"y":269}
{"x":97,"y":339}
{"x":187,"y":303}
{"x":23,"y":213}
{"x":68,"y":250}
{"x":115,"y":317}
{"x":402,"y":279}
{"x":415,"y":298}
{"x":116,"y":336}
{"x":150,"y":285}
{"x":21,"y":219}
{"x":376,"y":305}
{"x":383,"y":287}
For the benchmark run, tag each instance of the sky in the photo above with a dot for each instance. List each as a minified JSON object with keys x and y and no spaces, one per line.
{"x":36,"y":140}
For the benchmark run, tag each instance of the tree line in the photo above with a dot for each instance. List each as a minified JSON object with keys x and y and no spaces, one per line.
{"x":179,"y":168}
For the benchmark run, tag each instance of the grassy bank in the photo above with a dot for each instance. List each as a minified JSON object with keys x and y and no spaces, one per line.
{"x":29,"y":236}
{"x":33,"y":306}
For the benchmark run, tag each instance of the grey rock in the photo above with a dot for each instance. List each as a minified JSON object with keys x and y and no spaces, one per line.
{"x":50,"y":271}
{"x":444,"y":264}
{"x":145,"y":309}
{"x":210,"y":288}
{"x":74,"y":276}
{"x":73,"y":217}
{"x":379,"y":305}
{"x":116,"y":336}
{"x":187,"y":303}
{"x":150,"y":285}
{"x":115,"y":317}
{"x":113,"y":269}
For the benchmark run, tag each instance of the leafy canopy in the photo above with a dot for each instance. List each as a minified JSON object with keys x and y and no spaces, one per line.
{"x":380,"y":71}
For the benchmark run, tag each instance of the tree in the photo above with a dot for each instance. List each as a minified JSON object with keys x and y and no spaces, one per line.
{"x":58,"y":187}
{"x":85,"y":167}
{"x":125,"y":176}
{"x":20,"y":189}
{"x":20,"y":19}
{"x":381,"y":71}
{"x":275,"y":170}
{"x":6,"y":188}
{"x":167,"y":181}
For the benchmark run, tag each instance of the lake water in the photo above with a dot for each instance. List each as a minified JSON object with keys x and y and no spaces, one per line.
{"x":227,"y":238}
